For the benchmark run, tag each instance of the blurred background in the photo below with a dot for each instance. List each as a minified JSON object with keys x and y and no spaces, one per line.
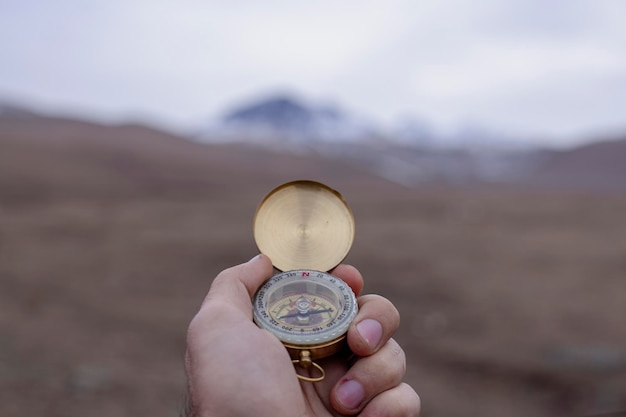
{"x":481,"y":146}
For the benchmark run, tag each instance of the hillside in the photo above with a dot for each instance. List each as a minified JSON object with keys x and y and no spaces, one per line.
{"x":79,"y":156}
{"x":511,"y":297}
{"x":43,"y":157}
{"x":596,"y":166}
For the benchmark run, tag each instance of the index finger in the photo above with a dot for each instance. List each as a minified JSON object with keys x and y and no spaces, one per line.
{"x":375,"y":323}
{"x":351,"y":276}
{"x":376,"y":320}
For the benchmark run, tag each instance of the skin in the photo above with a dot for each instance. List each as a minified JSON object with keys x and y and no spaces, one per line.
{"x":236,"y":369}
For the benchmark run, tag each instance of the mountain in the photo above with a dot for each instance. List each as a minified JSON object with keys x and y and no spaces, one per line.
{"x":284,"y":120}
{"x":413,"y":132}
{"x":46,"y":155}
{"x":8,"y":111}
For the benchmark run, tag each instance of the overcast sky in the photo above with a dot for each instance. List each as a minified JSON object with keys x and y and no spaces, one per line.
{"x":548,"y":68}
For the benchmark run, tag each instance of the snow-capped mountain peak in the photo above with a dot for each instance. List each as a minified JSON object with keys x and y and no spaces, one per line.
{"x":285,"y":119}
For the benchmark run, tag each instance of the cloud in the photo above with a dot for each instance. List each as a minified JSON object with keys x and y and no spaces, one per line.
{"x":491,"y":67}
{"x":446,"y":60}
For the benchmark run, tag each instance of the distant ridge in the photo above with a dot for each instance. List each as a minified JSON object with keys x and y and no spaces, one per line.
{"x":56,"y":153}
{"x":285,"y":119}
{"x":8,"y":111}
{"x":280,"y":112}
{"x":48,"y":157}
{"x":596,"y":166}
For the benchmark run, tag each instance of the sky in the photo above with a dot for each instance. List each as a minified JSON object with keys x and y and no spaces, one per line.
{"x":552,"y":70}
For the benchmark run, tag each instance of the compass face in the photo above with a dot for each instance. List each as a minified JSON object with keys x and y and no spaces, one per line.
{"x":305,"y":307}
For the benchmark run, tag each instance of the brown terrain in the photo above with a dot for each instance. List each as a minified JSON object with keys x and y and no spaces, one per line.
{"x":513,"y":300}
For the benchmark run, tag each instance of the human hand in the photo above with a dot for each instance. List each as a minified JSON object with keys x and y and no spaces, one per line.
{"x":236,"y":369}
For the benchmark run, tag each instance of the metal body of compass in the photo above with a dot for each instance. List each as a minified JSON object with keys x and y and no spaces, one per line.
{"x":306,"y":229}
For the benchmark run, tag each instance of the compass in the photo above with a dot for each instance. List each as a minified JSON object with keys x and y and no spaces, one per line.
{"x":306,"y":228}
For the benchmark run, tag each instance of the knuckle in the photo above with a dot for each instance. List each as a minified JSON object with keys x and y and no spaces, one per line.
{"x":225,"y":275}
{"x":413,"y":403}
{"x":205,"y":318}
{"x":398,"y":356}
{"x":381,"y":306}
{"x":195,"y":328}
{"x":401,"y":400}
{"x":395,"y":314}
{"x":367,"y":298}
{"x":396,"y":350}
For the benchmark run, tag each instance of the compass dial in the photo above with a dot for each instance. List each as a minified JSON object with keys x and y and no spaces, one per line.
{"x":305,"y":307}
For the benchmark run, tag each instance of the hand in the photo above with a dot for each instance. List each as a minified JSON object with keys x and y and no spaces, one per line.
{"x":235,"y":369}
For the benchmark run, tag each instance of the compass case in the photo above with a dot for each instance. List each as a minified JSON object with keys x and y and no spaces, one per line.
{"x":304,"y":225}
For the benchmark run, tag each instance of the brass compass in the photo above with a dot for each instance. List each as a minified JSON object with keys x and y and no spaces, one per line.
{"x":306,"y":228}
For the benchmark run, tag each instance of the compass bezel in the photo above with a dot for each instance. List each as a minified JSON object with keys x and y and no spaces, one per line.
{"x":345,"y":303}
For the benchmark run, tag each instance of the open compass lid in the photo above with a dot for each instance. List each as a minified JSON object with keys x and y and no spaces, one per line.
{"x":304,"y":225}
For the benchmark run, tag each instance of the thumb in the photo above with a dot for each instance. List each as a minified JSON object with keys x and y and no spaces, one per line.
{"x":237,"y":285}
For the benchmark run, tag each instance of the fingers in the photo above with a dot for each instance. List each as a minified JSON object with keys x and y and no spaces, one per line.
{"x":400,"y":401}
{"x":351,"y":276}
{"x":382,"y":365}
{"x":373,"y":383}
{"x":369,"y":377}
{"x":375,"y":323}
{"x":377,"y":319}
{"x":237,"y":285}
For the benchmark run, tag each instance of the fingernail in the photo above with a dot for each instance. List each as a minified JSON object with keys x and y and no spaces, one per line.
{"x":351,"y":394}
{"x":256,"y":258}
{"x":370,"y":330}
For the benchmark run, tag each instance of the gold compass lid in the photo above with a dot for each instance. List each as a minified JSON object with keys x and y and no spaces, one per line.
{"x":304,"y":225}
